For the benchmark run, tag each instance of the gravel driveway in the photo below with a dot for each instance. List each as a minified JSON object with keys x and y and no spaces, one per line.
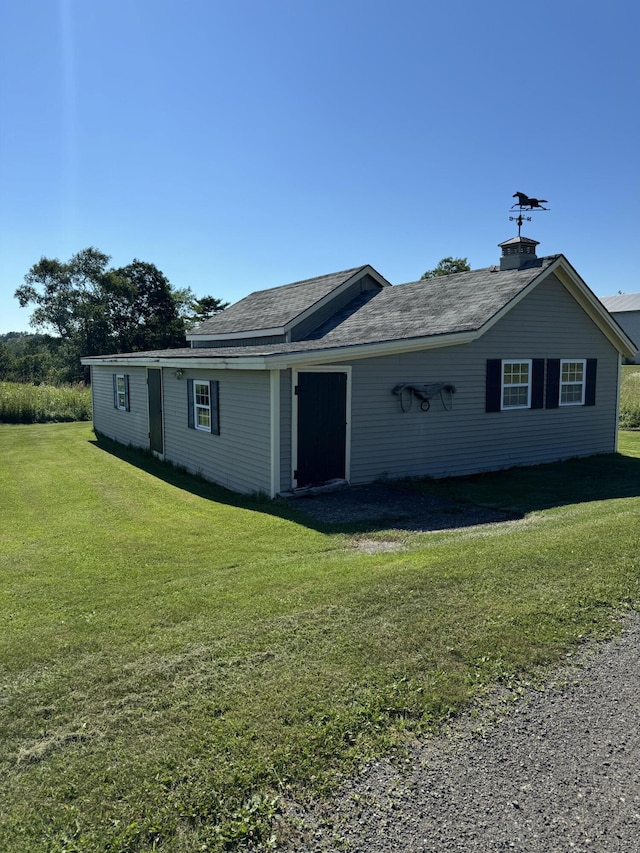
{"x":559,"y":771}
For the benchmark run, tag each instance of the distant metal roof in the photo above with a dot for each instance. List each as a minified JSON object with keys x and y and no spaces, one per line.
{"x":621,"y":302}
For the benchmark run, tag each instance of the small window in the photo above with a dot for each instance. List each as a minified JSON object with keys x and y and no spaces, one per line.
{"x":121,"y":391}
{"x":572,"y":381}
{"x":516,"y":384}
{"x":202,"y":406}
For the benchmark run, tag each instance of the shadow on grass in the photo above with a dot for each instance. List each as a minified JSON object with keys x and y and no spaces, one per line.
{"x":539,"y":487}
{"x":418,"y":504}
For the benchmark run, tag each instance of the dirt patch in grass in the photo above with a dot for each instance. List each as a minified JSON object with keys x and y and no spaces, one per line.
{"x":394,"y":506}
{"x":375,"y":546}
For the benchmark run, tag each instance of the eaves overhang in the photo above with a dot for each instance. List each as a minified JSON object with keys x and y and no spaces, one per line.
{"x":377,"y":349}
{"x":184,"y":362}
{"x":283,"y":360}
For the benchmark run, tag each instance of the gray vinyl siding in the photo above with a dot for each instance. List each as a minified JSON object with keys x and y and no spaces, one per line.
{"x":546,"y":324}
{"x":630,"y":322}
{"x":130,"y":427}
{"x":301,"y":330}
{"x":238,"y":458}
{"x":285,"y":430}
{"x":238,"y":342}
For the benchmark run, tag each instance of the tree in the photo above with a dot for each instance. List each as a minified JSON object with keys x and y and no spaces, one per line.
{"x":148,"y":314}
{"x":203,"y":308}
{"x":447,"y":266}
{"x":90,"y":308}
{"x":61,"y":292}
{"x":6,"y":361}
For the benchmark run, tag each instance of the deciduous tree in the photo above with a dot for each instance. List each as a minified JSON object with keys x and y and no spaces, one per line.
{"x":89,"y":308}
{"x":447,"y":266}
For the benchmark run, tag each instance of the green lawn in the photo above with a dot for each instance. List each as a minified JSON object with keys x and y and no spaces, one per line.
{"x":176,"y":659}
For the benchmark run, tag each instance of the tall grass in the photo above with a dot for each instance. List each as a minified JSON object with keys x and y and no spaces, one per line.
{"x":30,"y":404}
{"x":630,"y":397}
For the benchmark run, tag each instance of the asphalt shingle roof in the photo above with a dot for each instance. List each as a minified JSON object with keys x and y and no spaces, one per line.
{"x":272,"y":308}
{"x":457,"y":303}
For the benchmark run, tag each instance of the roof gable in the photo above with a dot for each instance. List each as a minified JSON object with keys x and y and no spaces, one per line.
{"x":444,"y":305}
{"x":275,"y":310}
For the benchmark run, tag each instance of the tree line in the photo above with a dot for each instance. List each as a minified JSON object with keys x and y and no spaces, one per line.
{"x":85,"y":307}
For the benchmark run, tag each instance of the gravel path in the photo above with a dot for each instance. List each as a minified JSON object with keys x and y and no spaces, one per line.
{"x":560,"y":771}
{"x":391,"y":506}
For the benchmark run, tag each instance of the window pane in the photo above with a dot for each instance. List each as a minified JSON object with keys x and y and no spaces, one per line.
{"x":571,"y":393}
{"x":517,"y":395}
{"x":572,"y":371}
{"x":204,"y":418}
{"x":202,"y":393}
{"x":516,"y":374}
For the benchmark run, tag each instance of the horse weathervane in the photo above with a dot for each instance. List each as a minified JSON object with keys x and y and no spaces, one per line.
{"x":526,"y":203}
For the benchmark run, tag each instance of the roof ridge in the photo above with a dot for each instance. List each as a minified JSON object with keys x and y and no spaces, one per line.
{"x":307,"y":280}
{"x":493,"y":267}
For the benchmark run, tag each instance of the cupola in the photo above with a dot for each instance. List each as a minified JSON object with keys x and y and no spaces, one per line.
{"x":518,"y":253}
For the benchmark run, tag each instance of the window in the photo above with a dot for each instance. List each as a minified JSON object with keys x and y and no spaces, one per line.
{"x":516,"y":384}
{"x":202,"y":404}
{"x":536,"y":383}
{"x":572,"y":381}
{"x":203,"y":408}
{"x":121,"y":391}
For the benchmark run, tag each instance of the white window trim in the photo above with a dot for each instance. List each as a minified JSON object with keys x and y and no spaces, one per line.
{"x":121,"y":396}
{"x":506,"y":361}
{"x":583,"y":362}
{"x":198,"y":407}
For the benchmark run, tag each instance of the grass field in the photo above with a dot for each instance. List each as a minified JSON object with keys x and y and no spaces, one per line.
{"x":30,"y":404}
{"x":176,"y":660}
{"x":630,"y":397}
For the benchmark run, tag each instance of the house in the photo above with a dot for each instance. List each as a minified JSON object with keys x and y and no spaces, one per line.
{"x":625,"y":308}
{"x":346,"y":377}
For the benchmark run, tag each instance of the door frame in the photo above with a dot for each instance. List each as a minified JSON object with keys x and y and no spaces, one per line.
{"x":155,"y":452}
{"x":320,"y":368}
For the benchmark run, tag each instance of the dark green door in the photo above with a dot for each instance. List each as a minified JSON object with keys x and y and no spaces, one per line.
{"x":154,"y":383}
{"x":322,"y":427}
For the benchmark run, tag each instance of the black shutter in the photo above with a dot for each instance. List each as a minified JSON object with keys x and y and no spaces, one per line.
{"x":493,"y":385}
{"x":215,"y":407}
{"x":590,"y":386}
{"x":190,"y":418}
{"x":115,"y":390}
{"x":127,"y":404}
{"x":537,"y":383}
{"x":553,"y":383}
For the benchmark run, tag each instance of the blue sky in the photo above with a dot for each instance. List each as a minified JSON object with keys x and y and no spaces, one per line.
{"x":247,"y":144}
